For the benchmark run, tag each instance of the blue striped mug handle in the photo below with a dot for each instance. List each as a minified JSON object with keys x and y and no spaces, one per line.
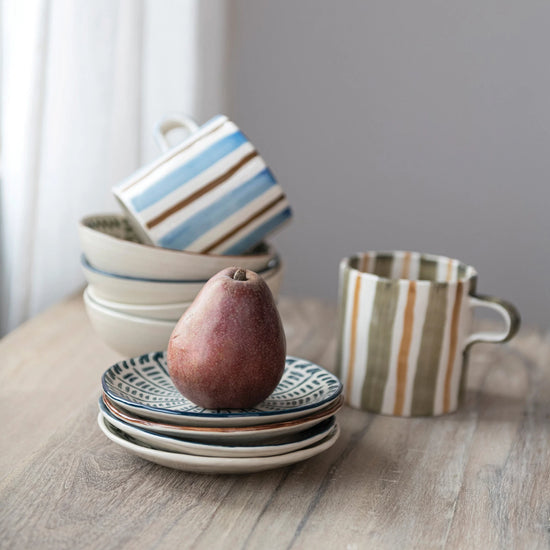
{"x":505,"y":309}
{"x":169,"y":123}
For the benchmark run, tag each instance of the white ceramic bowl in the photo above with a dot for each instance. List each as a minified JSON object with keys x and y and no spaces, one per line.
{"x":164,"y":312}
{"x":129,"y":335}
{"x":110,"y":245}
{"x":139,"y":291}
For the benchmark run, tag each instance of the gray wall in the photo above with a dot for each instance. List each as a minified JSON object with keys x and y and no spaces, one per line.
{"x":418,"y":125}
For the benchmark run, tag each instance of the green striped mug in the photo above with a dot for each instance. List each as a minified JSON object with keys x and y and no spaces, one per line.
{"x":405,"y":329}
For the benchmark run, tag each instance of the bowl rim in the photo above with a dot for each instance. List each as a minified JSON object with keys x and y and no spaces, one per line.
{"x":90,"y":302}
{"x":105,"y":302}
{"x":269,"y":253}
{"x":272,"y":266}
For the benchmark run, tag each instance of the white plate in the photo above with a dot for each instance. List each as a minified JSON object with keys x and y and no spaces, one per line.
{"x":271,"y":447}
{"x":241,"y":435}
{"x":210,"y":464}
{"x":143,"y":386}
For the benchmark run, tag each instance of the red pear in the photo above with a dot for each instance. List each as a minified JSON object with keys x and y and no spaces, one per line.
{"x":228,"y":349}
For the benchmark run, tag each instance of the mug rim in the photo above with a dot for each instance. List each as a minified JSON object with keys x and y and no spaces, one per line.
{"x":471,"y":272}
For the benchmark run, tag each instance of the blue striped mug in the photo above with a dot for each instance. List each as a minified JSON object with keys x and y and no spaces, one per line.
{"x":212,"y":193}
{"x":405,"y":327}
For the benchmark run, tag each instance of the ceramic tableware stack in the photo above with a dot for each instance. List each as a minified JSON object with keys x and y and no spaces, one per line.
{"x":141,"y":410}
{"x":203,"y":205}
{"x":137,"y":292}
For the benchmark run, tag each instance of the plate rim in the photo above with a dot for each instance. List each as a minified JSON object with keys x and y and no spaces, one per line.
{"x":270,"y":462}
{"x":219,"y":415}
{"x":227,"y":433}
{"x":218,"y":447}
{"x":323,"y":413}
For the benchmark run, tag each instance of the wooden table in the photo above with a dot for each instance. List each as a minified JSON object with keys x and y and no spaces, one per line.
{"x":479,"y":478}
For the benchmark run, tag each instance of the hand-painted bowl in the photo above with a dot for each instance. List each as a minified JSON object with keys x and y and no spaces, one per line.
{"x":111,"y":245}
{"x":142,"y":291}
{"x":129,"y":335}
{"x":163,"y":312}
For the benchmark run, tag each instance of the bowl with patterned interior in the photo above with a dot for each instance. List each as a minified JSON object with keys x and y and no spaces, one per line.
{"x":111,"y":245}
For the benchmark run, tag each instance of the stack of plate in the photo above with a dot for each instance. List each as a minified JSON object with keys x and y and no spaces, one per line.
{"x":142,"y":411}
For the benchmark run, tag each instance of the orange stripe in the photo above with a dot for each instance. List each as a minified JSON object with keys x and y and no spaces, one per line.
{"x":406,"y":266}
{"x":353,"y":336}
{"x":449,"y":270}
{"x":403,"y":357}
{"x":452,"y":347}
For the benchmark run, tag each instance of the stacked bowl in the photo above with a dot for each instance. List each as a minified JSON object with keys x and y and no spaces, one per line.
{"x":137,"y":292}
{"x":142,"y":411}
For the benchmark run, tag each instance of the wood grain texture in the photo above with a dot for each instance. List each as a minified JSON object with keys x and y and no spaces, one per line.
{"x":479,"y":478}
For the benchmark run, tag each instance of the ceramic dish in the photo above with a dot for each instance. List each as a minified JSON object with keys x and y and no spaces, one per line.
{"x":209,"y":464}
{"x":163,"y":312}
{"x":143,"y":386}
{"x":270,"y":447}
{"x":129,"y":335}
{"x":111,"y":245}
{"x":239,"y":435}
{"x":133,"y":290}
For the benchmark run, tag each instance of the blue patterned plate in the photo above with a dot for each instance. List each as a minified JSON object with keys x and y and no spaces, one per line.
{"x":143,"y":386}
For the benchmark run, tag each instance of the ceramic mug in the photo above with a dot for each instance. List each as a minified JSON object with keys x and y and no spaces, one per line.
{"x":405,"y":329}
{"x":212,"y":193}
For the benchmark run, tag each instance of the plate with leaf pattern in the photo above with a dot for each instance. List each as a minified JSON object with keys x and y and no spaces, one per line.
{"x":143,"y":386}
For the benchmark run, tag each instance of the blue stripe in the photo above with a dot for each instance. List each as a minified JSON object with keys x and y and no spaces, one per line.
{"x":189,"y":170}
{"x":259,"y":233}
{"x":190,"y":230}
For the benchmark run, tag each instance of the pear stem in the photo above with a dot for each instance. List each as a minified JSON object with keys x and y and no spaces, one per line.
{"x":239,"y":275}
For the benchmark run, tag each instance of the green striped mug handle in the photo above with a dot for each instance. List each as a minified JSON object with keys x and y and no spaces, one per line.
{"x":508,"y":312}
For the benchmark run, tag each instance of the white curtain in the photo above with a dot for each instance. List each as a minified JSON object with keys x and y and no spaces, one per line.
{"x":81,"y":86}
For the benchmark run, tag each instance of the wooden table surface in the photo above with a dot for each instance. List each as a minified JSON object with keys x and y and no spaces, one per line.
{"x":479,"y":478}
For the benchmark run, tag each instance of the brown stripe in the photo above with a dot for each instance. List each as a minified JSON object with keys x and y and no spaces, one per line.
{"x":403,"y":357}
{"x":174,"y":154}
{"x":203,"y":190}
{"x":353,"y":335}
{"x":452,"y":347}
{"x":364,"y":263}
{"x":245,"y":223}
{"x":406,"y":266}
{"x":449,"y":270}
